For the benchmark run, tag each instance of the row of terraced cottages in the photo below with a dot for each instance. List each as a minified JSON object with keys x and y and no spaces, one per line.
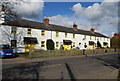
{"x":42,"y":35}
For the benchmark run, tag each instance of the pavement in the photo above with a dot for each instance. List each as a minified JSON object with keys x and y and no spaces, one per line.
{"x":104,"y":66}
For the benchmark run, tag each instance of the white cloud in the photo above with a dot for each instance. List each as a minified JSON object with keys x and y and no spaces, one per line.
{"x":93,"y":12}
{"x":104,"y":17}
{"x":97,"y":11}
{"x":61,"y":20}
{"x":26,"y":8}
{"x":29,"y":8}
{"x":77,"y":8}
{"x":99,"y":14}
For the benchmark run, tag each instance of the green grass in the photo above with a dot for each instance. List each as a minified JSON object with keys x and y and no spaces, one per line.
{"x":23,"y":55}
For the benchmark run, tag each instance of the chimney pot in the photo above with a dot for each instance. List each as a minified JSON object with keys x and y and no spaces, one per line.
{"x":75,"y":26}
{"x":46,"y":21}
{"x":116,"y":35}
{"x":92,"y":30}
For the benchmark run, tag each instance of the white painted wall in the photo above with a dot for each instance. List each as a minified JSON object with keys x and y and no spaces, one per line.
{"x":52,"y":35}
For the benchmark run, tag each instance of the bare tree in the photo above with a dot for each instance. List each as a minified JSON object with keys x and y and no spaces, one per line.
{"x":8,"y":8}
{"x":7,"y":36}
{"x":10,"y":15}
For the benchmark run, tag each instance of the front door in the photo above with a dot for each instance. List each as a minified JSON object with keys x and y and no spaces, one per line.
{"x":30,"y":43}
{"x":67,"y":47}
{"x":50,"y":44}
{"x":29,"y":46}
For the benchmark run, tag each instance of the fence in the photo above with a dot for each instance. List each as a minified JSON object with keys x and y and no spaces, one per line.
{"x":47,"y":53}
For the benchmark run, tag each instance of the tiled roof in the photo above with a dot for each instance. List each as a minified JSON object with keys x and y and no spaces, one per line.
{"x":52,"y":27}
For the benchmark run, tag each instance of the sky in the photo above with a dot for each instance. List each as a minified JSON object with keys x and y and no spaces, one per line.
{"x":102,"y":16}
{"x":99,"y":15}
{"x":61,"y":8}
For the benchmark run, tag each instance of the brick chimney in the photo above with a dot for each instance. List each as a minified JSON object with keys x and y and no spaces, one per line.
{"x":75,"y":26}
{"x":46,"y":21}
{"x":116,"y":35}
{"x":92,"y":30}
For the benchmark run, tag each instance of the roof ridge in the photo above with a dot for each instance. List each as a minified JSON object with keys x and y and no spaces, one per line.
{"x":53,"y":27}
{"x":56,"y":25}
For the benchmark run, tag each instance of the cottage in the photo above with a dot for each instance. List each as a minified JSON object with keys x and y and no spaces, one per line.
{"x":43,"y":35}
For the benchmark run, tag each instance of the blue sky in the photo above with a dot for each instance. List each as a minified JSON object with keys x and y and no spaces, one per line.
{"x":102,"y":16}
{"x":62,"y":8}
{"x":99,"y":15}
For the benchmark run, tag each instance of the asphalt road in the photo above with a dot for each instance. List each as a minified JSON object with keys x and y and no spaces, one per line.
{"x":91,"y":67}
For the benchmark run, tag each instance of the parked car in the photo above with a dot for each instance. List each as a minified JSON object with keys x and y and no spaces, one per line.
{"x":6,"y":51}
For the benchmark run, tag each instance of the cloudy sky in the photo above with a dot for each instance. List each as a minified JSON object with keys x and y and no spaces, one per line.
{"x":103,"y":16}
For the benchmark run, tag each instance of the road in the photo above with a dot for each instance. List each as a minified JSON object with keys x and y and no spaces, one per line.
{"x":92,"y":67}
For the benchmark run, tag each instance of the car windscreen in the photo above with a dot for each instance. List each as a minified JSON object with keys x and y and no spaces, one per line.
{"x":4,"y":46}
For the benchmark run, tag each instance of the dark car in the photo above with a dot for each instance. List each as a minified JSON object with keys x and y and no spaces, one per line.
{"x":6,"y":51}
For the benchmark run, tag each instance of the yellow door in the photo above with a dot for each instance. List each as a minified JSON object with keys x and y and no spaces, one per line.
{"x":105,"y":46}
{"x":91,"y":46}
{"x":66,"y":47}
{"x":28,"y":46}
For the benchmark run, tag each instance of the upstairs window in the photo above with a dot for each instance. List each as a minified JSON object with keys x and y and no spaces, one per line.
{"x":43,"y":32}
{"x":104,"y":39}
{"x":90,"y":37}
{"x":65,"y":34}
{"x":73,"y":35}
{"x":29,"y":31}
{"x":13,"y":30}
{"x":84,"y":37}
{"x":42,"y":44}
{"x":57,"y":34}
{"x":95,"y":38}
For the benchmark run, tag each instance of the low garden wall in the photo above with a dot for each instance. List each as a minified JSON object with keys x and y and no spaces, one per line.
{"x":48,"y":53}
